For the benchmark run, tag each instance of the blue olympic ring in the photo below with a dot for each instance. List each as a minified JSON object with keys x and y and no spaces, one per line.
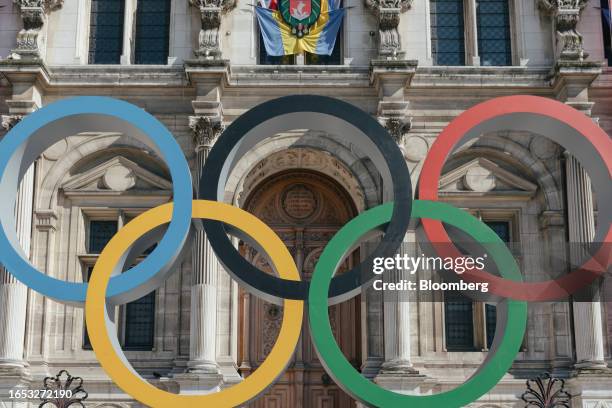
{"x":40,"y":130}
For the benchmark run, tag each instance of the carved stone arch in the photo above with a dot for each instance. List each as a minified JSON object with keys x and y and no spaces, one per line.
{"x":76,"y":152}
{"x":520,"y":158}
{"x":354,"y":164}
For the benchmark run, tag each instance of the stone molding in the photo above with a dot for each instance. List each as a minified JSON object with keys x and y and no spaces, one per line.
{"x":10,"y":121}
{"x":30,"y":39}
{"x":565,"y":15}
{"x":389,"y":13}
{"x":211,"y":12}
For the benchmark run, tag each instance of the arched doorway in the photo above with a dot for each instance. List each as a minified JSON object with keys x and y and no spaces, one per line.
{"x":305,"y":209}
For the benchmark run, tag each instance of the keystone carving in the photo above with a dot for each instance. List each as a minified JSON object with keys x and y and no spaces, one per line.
{"x":565,"y":15}
{"x":30,"y":39}
{"x":211,"y":12}
{"x":388,"y":13}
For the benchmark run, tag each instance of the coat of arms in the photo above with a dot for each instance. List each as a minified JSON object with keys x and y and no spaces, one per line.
{"x":300,"y":14}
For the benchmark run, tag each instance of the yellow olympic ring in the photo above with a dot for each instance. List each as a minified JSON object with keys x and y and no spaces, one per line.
{"x":110,"y":354}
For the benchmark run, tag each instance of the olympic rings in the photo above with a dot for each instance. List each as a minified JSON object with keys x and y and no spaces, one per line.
{"x":306,"y":112}
{"x":564,"y":125}
{"x":108,"y":350}
{"x":511,"y":314}
{"x":43,"y":128}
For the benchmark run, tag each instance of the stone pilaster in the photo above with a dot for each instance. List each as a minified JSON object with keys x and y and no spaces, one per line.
{"x":31,"y":38}
{"x":13,"y":294}
{"x":202,"y":355}
{"x":211,"y":12}
{"x":391,"y":78}
{"x":588,"y":322}
{"x":388,"y":13}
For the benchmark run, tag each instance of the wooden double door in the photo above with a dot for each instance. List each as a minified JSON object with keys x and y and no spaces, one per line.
{"x":305,"y":209}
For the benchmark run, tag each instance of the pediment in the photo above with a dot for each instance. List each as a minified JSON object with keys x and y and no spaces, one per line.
{"x":118,"y":174}
{"x":481,"y":175}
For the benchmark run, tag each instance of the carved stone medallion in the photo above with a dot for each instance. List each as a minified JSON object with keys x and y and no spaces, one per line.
{"x":299,"y":202}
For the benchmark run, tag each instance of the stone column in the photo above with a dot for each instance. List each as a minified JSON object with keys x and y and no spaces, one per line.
{"x":397,"y":323}
{"x":13,"y":294}
{"x":581,"y":223}
{"x":203,"y":329}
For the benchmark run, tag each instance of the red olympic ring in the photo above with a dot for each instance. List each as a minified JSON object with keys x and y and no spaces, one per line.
{"x":453,"y":136}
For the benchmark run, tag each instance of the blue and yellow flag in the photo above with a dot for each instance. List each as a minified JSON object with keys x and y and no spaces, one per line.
{"x":320,"y":39}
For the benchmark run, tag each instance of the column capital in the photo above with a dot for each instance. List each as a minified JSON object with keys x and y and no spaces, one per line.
{"x":206,"y":130}
{"x":45,"y":220}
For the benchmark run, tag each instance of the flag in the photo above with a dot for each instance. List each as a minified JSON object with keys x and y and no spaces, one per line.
{"x":279,"y":40}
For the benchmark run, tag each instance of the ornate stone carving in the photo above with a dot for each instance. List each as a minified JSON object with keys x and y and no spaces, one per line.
{"x":206,"y":129}
{"x":30,"y":41}
{"x":388,"y":13}
{"x":565,"y":15}
{"x":397,"y":127}
{"x":9,"y":121}
{"x":211,"y":12}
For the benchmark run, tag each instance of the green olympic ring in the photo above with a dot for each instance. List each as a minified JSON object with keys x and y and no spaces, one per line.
{"x":511,"y":314}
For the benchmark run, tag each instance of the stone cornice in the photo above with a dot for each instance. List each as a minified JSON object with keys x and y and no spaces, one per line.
{"x":269,"y":77}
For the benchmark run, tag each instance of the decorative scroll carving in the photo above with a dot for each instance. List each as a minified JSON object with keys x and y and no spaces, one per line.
{"x":565,"y":15}
{"x":30,"y":40}
{"x":206,"y":129}
{"x":9,"y":121}
{"x":211,"y":12}
{"x":65,"y":390}
{"x":388,"y":13}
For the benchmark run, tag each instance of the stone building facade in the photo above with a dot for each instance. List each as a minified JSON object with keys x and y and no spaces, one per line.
{"x":197,"y":65}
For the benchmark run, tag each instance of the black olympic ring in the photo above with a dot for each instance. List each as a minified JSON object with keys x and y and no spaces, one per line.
{"x":317,"y":113}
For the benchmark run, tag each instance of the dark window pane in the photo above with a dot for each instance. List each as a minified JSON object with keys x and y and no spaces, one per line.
{"x":606,"y":22}
{"x":86,"y":341}
{"x":493,"y":25}
{"x":447,"y":32}
{"x":100,"y":232}
{"x":458,"y":322}
{"x":106,"y":31}
{"x":140,"y":323}
{"x":491,"y":323}
{"x":152,"y":32}
{"x":501,"y":228}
